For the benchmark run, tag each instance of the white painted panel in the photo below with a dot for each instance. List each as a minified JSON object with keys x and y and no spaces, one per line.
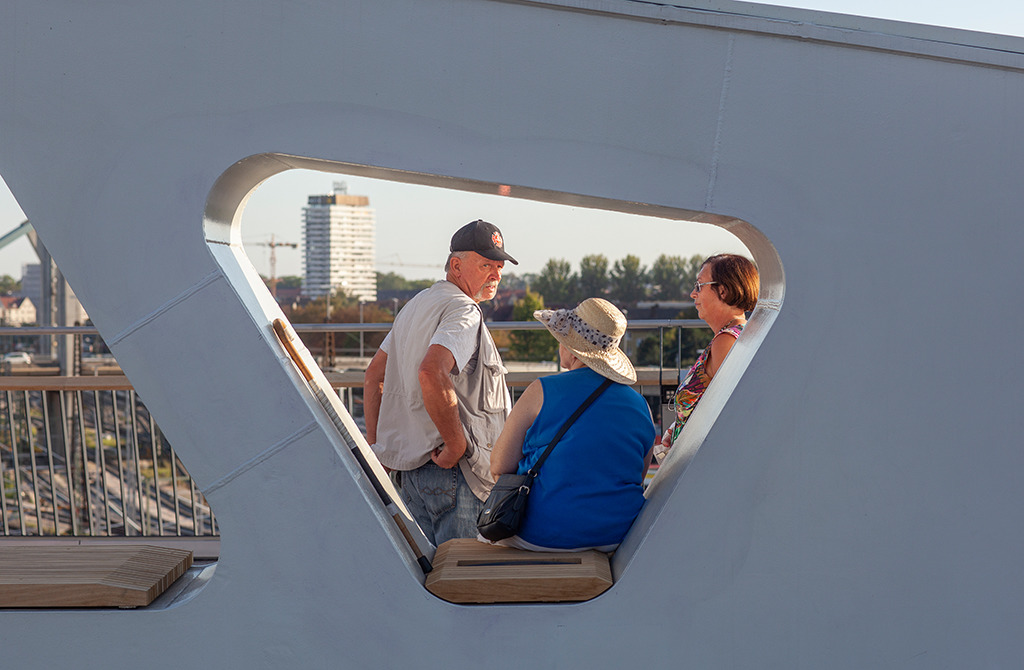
{"x":854,"y":505}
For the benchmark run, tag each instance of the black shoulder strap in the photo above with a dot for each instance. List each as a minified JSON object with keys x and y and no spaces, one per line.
{"x":565,"y":426}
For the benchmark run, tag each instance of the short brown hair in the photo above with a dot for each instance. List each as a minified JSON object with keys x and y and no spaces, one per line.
{"x":737,"y":275}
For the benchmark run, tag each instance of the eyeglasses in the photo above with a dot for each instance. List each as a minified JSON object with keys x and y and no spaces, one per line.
{"x":697,"y":286}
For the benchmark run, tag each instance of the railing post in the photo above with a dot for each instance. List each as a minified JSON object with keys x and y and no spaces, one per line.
{"x":125,"y":516}
{"x":3,"y":477}
{"x":154,"y":453}
{"x":48,"y":442}
{"x":36,"y":494}
{"x":78,"y":436}
{"x":174,"y":485}
{"x":78,"y":482}
{"x":134,"y":436}
{"x":18,"y":485}
{"x":58,"y":443}
{"x":101,"y":459}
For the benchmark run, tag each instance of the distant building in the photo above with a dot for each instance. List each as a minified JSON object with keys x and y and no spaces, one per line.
{"x":338,"y":245}
{"x":288,"y":296}
{"x":32,"y":282}
{"x":16,"y":311}
{"x":32,"y":288}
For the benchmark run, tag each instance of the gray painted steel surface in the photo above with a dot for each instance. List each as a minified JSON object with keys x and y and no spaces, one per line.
{"x":857,"y":502}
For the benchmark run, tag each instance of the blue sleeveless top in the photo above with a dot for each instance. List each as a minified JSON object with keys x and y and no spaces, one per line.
{"x":590,"y":488}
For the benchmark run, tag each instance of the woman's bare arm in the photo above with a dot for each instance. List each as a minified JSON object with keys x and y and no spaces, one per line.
{"x":720,"y":347}
{"x":508,"y":448}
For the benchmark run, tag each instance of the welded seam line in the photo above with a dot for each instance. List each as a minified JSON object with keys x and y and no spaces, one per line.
{"x":716,"y":150}
{"x":181,"y":297}
{"x":262,"y":456}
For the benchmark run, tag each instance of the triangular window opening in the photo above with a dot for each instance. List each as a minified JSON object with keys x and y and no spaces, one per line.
{"x":350,"y":243}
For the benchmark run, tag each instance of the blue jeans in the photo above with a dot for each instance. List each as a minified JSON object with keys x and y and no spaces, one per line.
{"x":441,"y":502}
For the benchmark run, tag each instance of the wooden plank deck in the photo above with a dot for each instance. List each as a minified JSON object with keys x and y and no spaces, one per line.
{"x":468,"y":571}
{"x":122,"y":576}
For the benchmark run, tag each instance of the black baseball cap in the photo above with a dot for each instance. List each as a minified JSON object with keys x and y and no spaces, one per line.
{"x":483,"y":238}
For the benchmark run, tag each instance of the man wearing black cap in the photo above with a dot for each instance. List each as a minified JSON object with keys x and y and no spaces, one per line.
{"x":435,"y":395}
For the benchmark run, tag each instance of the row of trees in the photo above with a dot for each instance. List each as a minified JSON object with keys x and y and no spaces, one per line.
{"x":530,"y":345}
{"x":389,"y":281}
{"x":343,"y":310}
{"x":673,"y":347}
{"x":9,"y":284}
{"x":386,"y":281}
{"x":624,"y":282}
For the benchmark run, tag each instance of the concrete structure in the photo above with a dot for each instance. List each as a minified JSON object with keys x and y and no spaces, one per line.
{"x":338,"y":245}
{"x":855,"y":501}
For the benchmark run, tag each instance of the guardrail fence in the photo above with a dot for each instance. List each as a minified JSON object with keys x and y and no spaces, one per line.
{"x":87,"y":459}
{"x":92,"y":463}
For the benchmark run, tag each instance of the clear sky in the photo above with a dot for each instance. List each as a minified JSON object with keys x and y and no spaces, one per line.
{"x":415,"y":222}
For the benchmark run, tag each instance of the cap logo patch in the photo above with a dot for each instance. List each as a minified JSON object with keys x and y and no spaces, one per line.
{"x":496,"y":239}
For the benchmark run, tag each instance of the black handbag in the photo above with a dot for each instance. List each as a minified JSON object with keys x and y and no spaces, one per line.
{"x":503,"y":511}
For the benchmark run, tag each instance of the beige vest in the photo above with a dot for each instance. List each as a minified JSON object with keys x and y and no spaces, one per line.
{"x":484,"y":403}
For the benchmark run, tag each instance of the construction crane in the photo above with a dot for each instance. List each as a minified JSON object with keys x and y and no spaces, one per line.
{"x":23,"y":228}
{"x":398,"y":263}
{"x":273,"y":244}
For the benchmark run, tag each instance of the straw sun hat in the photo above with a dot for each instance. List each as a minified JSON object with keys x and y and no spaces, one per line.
{"x":592,"y":333}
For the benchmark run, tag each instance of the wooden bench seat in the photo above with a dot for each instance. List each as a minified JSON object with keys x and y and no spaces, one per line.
{"x":468,"y":571}
{"x":128,"y":575}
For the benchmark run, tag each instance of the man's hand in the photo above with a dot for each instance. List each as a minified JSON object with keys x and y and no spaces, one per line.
{"x":662,"y":446}
{"x":446,"y":457}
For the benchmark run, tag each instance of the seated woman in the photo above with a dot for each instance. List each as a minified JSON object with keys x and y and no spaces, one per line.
{"x":590,"y":489}
{"x":726,"y":288}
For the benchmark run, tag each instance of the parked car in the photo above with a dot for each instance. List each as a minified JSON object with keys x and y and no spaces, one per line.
{"x":17,"y":358}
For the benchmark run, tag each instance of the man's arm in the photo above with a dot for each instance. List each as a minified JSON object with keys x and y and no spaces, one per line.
{"x":373,"y":388}
{"x":442,"y":405}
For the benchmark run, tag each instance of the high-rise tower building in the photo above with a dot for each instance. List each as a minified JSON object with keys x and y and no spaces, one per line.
{"x":338,"y":245}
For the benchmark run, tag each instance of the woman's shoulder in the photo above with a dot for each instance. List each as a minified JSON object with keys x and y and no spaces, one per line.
{"x":734,"y":330}
{"x":567,"y":378}
{"x":630,"y":396}
{"x":571,"y":387}
{"x":723,"y":340}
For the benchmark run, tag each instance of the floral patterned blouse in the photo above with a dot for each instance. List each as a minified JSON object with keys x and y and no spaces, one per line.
{"x":696,"y":382}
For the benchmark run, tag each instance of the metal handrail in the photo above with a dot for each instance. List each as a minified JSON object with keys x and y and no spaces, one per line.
{"x":635,"y":324}
{"x":81,"y":457}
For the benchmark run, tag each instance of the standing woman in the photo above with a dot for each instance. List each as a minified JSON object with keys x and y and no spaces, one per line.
{"x":726,"y":289}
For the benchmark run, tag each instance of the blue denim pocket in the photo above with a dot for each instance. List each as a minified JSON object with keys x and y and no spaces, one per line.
{"x":437,"y":487}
